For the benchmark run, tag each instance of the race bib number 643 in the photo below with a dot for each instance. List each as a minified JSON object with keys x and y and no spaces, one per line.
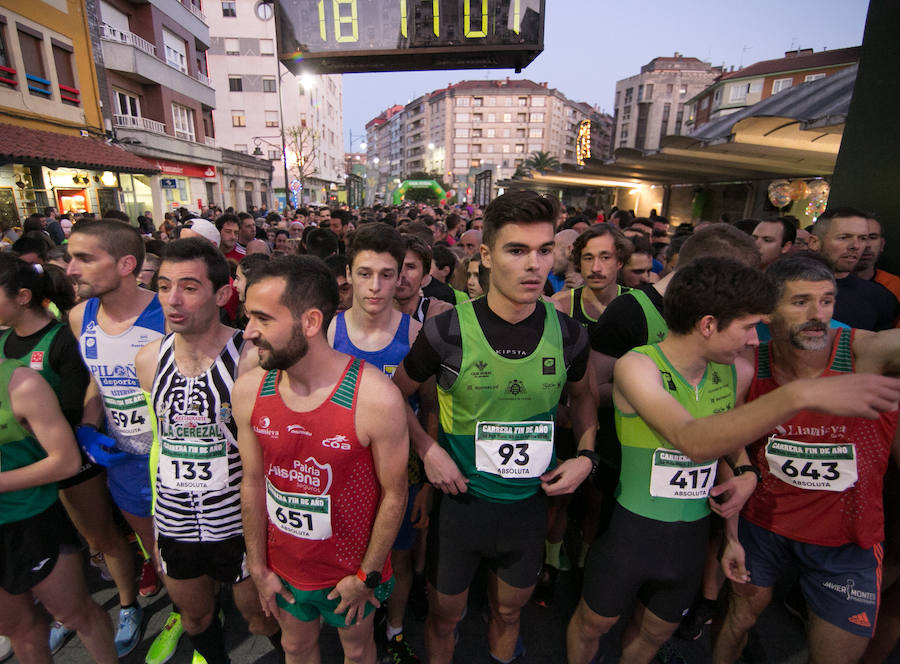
{"x":828,"y":467}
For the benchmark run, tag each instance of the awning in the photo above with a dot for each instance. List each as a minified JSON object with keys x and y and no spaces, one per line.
{"x":795,"y":133}
{"x":23,"y":145}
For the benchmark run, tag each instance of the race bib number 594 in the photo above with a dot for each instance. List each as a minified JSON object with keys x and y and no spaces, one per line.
{"x":808,"y":466}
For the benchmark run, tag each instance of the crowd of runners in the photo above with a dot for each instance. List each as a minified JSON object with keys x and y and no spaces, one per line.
{"x":345,"y":416}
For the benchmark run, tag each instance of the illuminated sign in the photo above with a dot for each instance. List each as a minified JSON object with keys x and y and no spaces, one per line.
{"x":336,"y":36}
{"x":583,"y":144}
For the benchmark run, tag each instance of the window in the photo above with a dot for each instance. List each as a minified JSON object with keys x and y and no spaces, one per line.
{"x":626,"y":114}
{"x":534,"y":147}
{"x":670,"y":88}
{"x":476,"y":147}
{"x":812,"y":77}
{"x":491,"y":133}
{"x":492,"y":117}
{"x":489,"y":147}
{"x":682,"y":90}
{"x":521,"y":117}
{"x":240,"y":147}
{"x":127,"y":104}
{"x":629,"y":94}
{"x":507,"y":117}
{"x":738,"y":92}
{"x":183,"y":121}
{"x":640,"y":93}
{"x":537,"y":101}
{"x":478,"y":101}
{"x":476,"y":133}
{"x":461,"y":147}
{"x":462,"y":117}
{"x":460,"y":163}
{"x":523,"y":101}
{"x":519,"y":148}
{"x":235,"y":84}
{"x":238,"y":119}
{"x":176,"y":51}
{"x":624,"y":133}
{"x":462,"y":101}
{"x":229,"y":8}
{"x":5,"y":59}
{"x":232,"y":46}
{"x":491,"y":101}
{"x":781,"y":84}
{"x":679,"y":118}
{"x":31,"y":43}
{"x":62,"y":59}
{"x":703,"y":103}
{"x":520,"y":132}
{"x":462,"y":133}
{"x":272,"y":118}
{"x":536,"y":132}
{"x":266,"y":47}
{"x":507,"y":133}
{"x":273,"y":155}
{"x":717,"y":96}
{"x":537,"y":117}
{"x":648,"y":92}
{"x":269,"y":84}
{"x":507,"y":101}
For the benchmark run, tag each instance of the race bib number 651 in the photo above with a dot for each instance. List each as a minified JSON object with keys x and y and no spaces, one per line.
{"x":298,"y":514}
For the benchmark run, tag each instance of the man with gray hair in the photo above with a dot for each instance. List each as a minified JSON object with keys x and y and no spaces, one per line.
{"x":839,"y":236}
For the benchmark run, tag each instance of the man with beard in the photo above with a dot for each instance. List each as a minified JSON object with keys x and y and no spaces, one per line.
{"x":818,"y":505}
{"x":324,"y":485}
{"x":416,"y":269}
{"x":840,"y":236}
{"x":872,"y":249}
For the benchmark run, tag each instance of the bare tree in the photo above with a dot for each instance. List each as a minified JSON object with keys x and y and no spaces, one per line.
{"x":302,"y":148}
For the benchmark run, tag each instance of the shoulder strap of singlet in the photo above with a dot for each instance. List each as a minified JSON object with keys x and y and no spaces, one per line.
{"x":3,"y":337}
{"x":268,"y":387}
{"x":656,"y":324}
{"x":843,"y":356}
{"x":340,"y":328}
{"x":402,"y":334}
{"x":346,"y":391}
{"x":763,"y":361}
{"x":90,"y":313}
{"x":574,"y":301}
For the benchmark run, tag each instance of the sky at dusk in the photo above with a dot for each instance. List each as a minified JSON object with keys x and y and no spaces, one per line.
{"x":590,"y":44}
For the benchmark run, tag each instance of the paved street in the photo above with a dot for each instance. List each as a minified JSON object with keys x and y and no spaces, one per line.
{"x":543,"y":632}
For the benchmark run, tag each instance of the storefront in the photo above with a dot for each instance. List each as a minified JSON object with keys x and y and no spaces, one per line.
{"x":183,"y":184}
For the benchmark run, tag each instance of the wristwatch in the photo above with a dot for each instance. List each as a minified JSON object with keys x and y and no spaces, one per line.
{"x":747,"y":468}
{"x":371,"y":580}
{"x":593,"y":456}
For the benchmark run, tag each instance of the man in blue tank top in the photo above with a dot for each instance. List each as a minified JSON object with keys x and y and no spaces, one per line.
{"x":371,"y":329}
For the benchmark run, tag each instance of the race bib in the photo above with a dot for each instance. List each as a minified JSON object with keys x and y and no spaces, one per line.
{"x":812,"y":466}
{"x":193,"y":466}
{"x":128,"y":415}
{"x":674,"y":475}
{"x":514,"y":449}
{"x":298,"y":514}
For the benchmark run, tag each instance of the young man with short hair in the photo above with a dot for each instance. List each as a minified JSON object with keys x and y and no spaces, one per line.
{"x":324,"y":484}
{"x":186,"y":377}
{"x":229,"y":227}
{"x":774,"y":238}
{"x":675,"y":417}
{"x":501,"y":363}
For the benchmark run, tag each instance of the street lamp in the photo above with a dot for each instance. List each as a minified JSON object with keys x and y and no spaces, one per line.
{"x":358,"y":137}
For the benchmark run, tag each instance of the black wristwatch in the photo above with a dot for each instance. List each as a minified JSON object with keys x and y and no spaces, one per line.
{"x":593,"y":456}
{"x":371,"y":580}
{"x":747,"y":468}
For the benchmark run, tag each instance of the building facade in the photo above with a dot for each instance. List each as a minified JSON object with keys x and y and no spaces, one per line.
{"x":652,"y":104}
{"x":734,"y":90}
{"x":474,"y":126}
{"x":53,"y":147}
{"x":262,"y":106}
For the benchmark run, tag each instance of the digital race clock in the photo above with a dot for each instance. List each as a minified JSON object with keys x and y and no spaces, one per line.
{"x":336,"y":36}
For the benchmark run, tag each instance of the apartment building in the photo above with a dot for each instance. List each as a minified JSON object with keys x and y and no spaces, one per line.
{"x":651,"y":104}
{"x":472,"y":126}
{"x":258,"y":101}
{"x":53,"y":147}
{"x":737,"y":89}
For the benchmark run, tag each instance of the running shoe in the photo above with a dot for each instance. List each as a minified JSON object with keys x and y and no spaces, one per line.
{"x":691,"y":627}
{"x":59,"y":634}
{"x":5,"y":648}
{"x":399,"y":651}
{"x":198,"y":658}
{"x":545,"y":588}
{"x":99,"y":562}
{"x":166,"y":643}
{"x":128,"y":633}
{"x":149,"y":584}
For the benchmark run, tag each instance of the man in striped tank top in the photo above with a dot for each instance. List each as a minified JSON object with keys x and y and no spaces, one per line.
{"x":324,"y":485}
{"x":187,"y":378}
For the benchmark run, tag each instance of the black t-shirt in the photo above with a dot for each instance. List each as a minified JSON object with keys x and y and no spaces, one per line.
{"x":440,"y":291}
{"x":64,"y":358}
{"x":865,"y":305}
{"x":623,"y":325}
{"x":437,"y":350}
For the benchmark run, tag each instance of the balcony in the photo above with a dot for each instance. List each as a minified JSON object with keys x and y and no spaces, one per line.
{"x":136,"y":58}
{"x":132,"y":122}
{"x":194,"y":10}
{"x":210,"y":141}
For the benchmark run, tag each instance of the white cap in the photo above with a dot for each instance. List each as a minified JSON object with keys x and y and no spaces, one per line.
{"x":206,"y":229}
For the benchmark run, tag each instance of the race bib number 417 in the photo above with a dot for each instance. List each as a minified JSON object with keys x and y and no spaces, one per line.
{"x":674,"y":475}
{"x":811,"y":466}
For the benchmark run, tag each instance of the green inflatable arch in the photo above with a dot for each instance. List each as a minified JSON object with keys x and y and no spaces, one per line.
{"x":406,"y":185}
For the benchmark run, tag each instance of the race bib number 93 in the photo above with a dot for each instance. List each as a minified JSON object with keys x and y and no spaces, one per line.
{"x":514,"y":449}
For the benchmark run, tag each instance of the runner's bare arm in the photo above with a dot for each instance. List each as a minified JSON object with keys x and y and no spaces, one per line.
{"x":35,"y":405}
{"x":249,"y":359}
{"x":602,"y":366}
{"x":145,"y":363}
{"x":441,"y":470}
{"x":388,"y":439}
{"x":566,"y":477}
{"x":877,"y":352}
{"x":637,"y":388}
{"x":253,"y":493}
